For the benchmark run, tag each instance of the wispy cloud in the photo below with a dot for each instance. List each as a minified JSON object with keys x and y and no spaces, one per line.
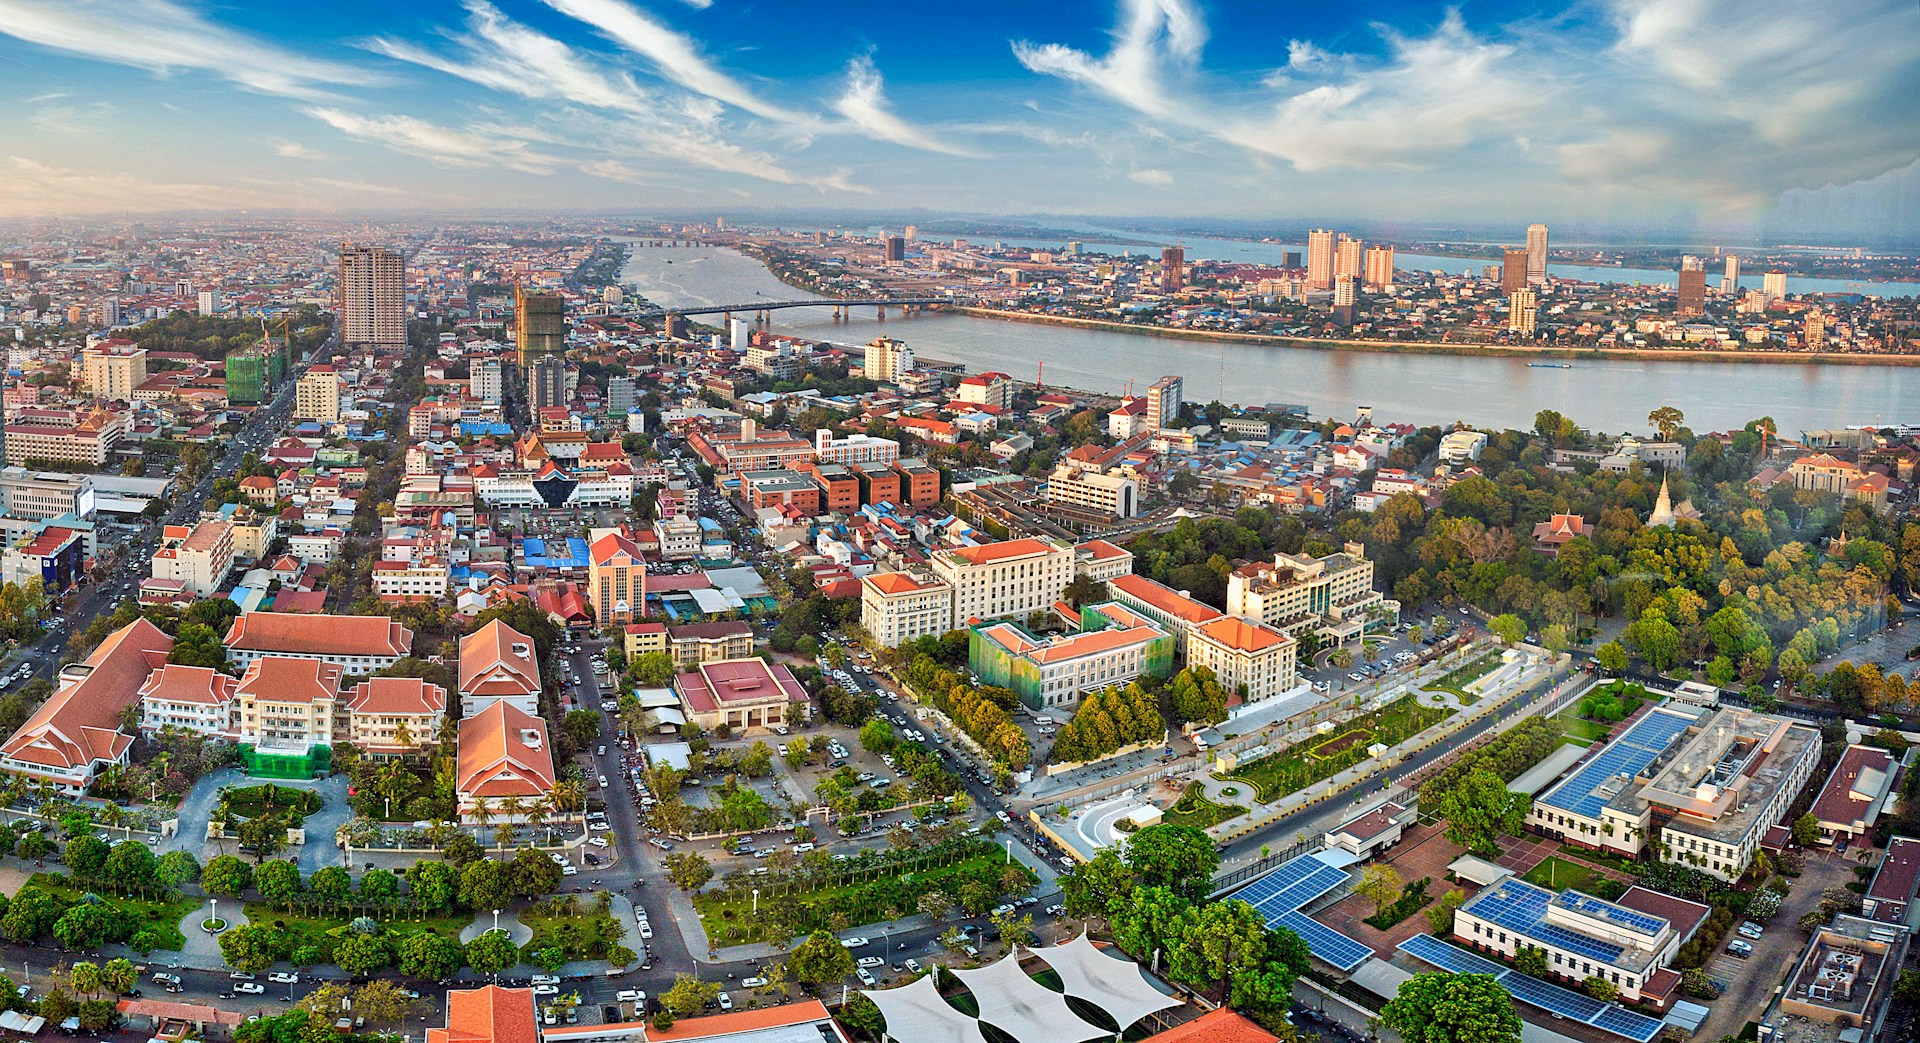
{"x":71,"y":119}
{"x":864,"y":104}
{"x":504,"y":55}
{"x":1152,"y":36}
{"x":470,"y":147}
{"x":675,"y":55}
{"x":294,"y":150}
{"x":162,"y":36}
{"x":32,"y":188}
{"x":1156,"y":178}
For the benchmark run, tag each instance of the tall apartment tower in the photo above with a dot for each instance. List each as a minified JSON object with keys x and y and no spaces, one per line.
{"x":1173,"y":268}
{"x":539,"y":325}
{"x":1380,"y":267}
{"x":1343,"y":290}
{"x":373,"y":296}
{"x":484,"y":382}
{"x":1730,"y":281}
{"x":1693,"y":286}
{"x":1536,"y":255}
{"x":1513,"y":270}
{"x":1774,"y":285}
{"x":1522,"y":311}
{"x":1816,"y":331}
{"x":1163,"y":402}
{"x":1320,"y":259}
{"x":1349,"y":257}
{"x":546,"y":383}
{"x":896,"y":247}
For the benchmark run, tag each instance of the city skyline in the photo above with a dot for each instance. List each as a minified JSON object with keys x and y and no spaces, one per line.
{"x":1718,"y":117}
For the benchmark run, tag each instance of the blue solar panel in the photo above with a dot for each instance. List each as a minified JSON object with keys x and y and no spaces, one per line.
{"x":1329,"y":945}
{"x":1623,"y":1022}
{"x":1548,"y":997}
{"x":1553,"y":998}
{"x":1521,"y":907}
{"x":1449,"y":957}
{"x":1628,"y":755}
{"x":1279,"y":895}
{"x":1582,"y":902}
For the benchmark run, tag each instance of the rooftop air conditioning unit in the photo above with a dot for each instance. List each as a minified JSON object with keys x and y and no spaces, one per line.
{"x":530,"y":737}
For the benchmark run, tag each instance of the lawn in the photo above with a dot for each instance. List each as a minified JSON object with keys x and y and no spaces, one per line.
{"x":733,"y":921}
{"x":1558,"y":874}
{"x":1194,"y":809}
{"x":281,"y":802}
{"x":1583,"y":729}
{"x":1457,"y":679}
{"x":580,"y":930}
{"x":1307,"y":762}
{"x":325,"y":932}
{"x":161,"y":918}
{"x":1601,"y":858}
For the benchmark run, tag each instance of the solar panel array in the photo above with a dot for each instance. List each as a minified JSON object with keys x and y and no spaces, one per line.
{"x":1553,"y":999}
{"x":1521,"y":907}
{"x":1279,"y":895}
{"x":1628,"y":755}
{"x":1618,"y":915}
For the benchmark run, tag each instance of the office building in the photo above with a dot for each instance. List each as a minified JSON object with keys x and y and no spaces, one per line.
{"x":1730,"y":281}
{"x":546,"y":383}
{"x":887,"y":360}
{"x":858,"y":449}
{"x":1841,"y":989}
{"x":1290,"y":259}
{"x":112,"y":369}
{"x":1112,"y":493}
{"x":1513,"y":269}
{"x":616,"y":580}
{"x":317,"y":395}
{"x":1628,"y":943}
{"x":1379,"y":267}
{"x":1164,"y":398}
{"x":1536,"y":255}
{"x":44,"y":495}
{"x":1774,"y":285}
{"x":373,"y":297}
{"x":896,"y":607}
{"x":1332,"y":596}
{"x":198,"y":557}
{"x":1522,"y":312}
{"x":1011,"y":578}
{"x":1173,"y":271}
{"x":1113,"y":646}
{"x":1854,"y":795}
{"x":35,"y":435}
{"x":896,"y":249}
{"x":1349,"y":257}
{"x":1693,"y":286}
{"x":539,"y":325}
{"x":392,"y":716}
{"x":622,"y":397}
{"x":1816,"y":333}
{"x":1320,"y":243}
{"x":991,"y":388}
{"x":1249,"y":659}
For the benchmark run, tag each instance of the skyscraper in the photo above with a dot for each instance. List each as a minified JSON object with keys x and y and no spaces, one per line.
{"x":1320,"y":259}
{"x":1380,"y":267}
{"x":539,"y":324}
{"x":1730,"y":282}
{"x":1693,"y":286}
{"x":1513,"y":269}
{"x":1536,"y":255}
{"x":546,"y":383}
{"x":1163,"y":402}
{"x":1343,"y":286}
{"x":1173,"y":265}
{"x":1774,"y":285}
{"x":1349,"y":257}
{"x":373,"y":296}
{"x":896,"y":249}
{"x":1522,"y":311}
{"x":1816,"y":331}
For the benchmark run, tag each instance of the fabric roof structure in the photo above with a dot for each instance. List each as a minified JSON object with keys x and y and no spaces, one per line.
{"x":1023,"y":1008}
{"x":917,"y":1012}
{"x":1115,"y":986}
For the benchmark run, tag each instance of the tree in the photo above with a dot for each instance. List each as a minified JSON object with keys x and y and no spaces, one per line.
{"x":132,"y":865}
{"x":118,"y":975}
{"x":1380,"y":884}
{"x":652,"y":669}
{"x":1182,"y":858}
{"x":1452,"y":1008}
{"x":1531,"y":959}
{"x":1601,"y":989}
{"x":484,"y":885}
{"x":820,"y":960}
{"x":250,"y":947}
{"x":84,"y":926}
{"x":757,"y":762}
{"x":434,"y":884}
{"x":876,"y":736}
{"x":492,"y":953}
{"x":1479,"y":810}
{"x":690,"y":995}
{"x":689,"y":870}
{"x":383,"y":1000}
{"x":85,"y":977}
{"x":533,"y":873}
{"x":278,"y":882}
{"x":332,"y":885}
{"x":379,"y":887}
{"x":86,"y":855}
{"x":363,"y":954}
{"x":1613,"y":658}
{"x":1091,"y":888}
{"x":1440,"y":914}
{"x":226,"y":875}
{"x":427,"y":955}
{"x":1509,"y":628}
{"x":1667,"y":419}
{"x":582,"y":726}
{"x":176,"y":869}
{"x":1806,"y":830}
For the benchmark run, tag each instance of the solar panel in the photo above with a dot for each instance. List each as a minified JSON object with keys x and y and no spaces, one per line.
{"x":1627,"y":755}
{"x":1324,"y":942}
{"x":1449,"y":957}
{"x":1547,"y":996}
{"x":1279,"y":895}
{"x":1552,"y":998}
{"x":1630,"y":1024}
{"x":1582,"y":902}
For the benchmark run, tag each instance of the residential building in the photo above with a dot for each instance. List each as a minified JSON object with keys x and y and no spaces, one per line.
{"x":741,"y":695}
{"x":1164,"y":397}
{"x":63,"y":435}
{"x":112,"y":369}
{"x":1113,"y":493}
{"x":498,"y":664}
{"x":1012,"y":578}
{"x":1173,"y":268}
{"x":1840,"y":989}
{"x":897,"y":607}
{"x":992,"y":388}
{"x":1379,"y":274}
{"x":616,"y":580}
{"x":373,"y":297}
{"x":1523,"y":312}
{"x":1730,"y":277}
{"x":193,"y":699}
{"x":288,"y":705}
{"x":691,"y":644}
{"x":359,"y":645}
{"x":854,"y":450}
{"x":317,"y":395}
{"x":1774,"y":286}
{"x":920,"y":482}
{"x":1252,"y":661}
{"x":1320,"y":245}
{"x":1855,"y":794}
{"x":775,"y":358}
{"x":1333,"y":596}
{"x":391,"y":716}
{"x":489,"y":1014}
{"x":1536,"y":255}
{"x":403,"y":581}
{"x":486,"y":381}
{"x":1349,"y":258}
{"x":546,"y":383}
{"x":1463,"y":447}
{"x":1629,"y":942}
{"x":1513,"y":271}
{"x":1114,"y":646}
{"x":679,"y":537}
{"x":1101,"y":561}
{"x":1693,"y":286}
{"x":887,"y":360}
{"x":505,"y":760}
{"x":75,"y":735}
{"x":198,"y":557}
{"x":539,"y":325}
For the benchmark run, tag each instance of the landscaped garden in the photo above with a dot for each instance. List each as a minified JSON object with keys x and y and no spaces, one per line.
{"x":84,"y":919}
{"x":309,"y":939}
{"x":1194,"y":809}
{"x":1307,"y":762}
{"x":1581,"y":730}
{"x":566,"y":929}
{"x":1412,"y":899}
{"x":1557,"y":874}
{"x":1457,"y":679}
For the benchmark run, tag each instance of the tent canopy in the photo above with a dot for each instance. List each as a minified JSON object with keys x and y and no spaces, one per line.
{"x":1115,"y":986}
{"x":917,"y":1013}
{"x":1023,"y":1008}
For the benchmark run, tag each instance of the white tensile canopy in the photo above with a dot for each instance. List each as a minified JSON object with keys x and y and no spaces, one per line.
{"x":1115,"y":986}
{"x":916,"y":1013}
{"x":1023,"y":1008}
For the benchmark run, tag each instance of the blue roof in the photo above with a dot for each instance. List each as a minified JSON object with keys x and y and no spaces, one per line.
{"x":1627,"y":755}
{"x":568,"y":554}
{"x":1279,"y":895}
{"x":1521,"y":907}
{"x":1566,"y":1003}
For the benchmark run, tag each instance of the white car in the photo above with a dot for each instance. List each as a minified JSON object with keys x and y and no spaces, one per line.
{"x":726,"y":1002}
{"x":283,"y":978}
{"x":753,"y":983}
{"x":853,"y":943}
{"x":546,"y":990}
{"x":597,"y":841}
{"x":249,"y":988}
{"x":865,"y":976}
{"x":569,"y":870}
{"x":870,"y":961}
{"x":631,"y":996}
{"x":646,"y":930}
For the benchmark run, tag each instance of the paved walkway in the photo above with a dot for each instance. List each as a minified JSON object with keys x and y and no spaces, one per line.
{"x":202,"y":949}
{"x":320,"y":850}
{"x":517,"y":932}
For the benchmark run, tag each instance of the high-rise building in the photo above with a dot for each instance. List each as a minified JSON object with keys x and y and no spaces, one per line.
{"x":1320,"y":259}
{"x":1349,"y":257}
{"x":1343,"y":290}
{"x":1537,"y":255}
{"x":1774,"y":285}
{"x":247,"y":375}
{"x":1163,"y":402}
{"x":1693,"y":286}
{"x":373,"y":296}
{"x":1522,"y":311}
{"x":910,"y":233}
{"x":317,"y":395}
{"x":546,"y":383}
{"x":621,"y":396}
{"x":1513,"y":269}
{"x":1730,"y":282}
{"x":209,"y":302}
{"x":112,"y":371}
{"x":896,"y":247}
{"x":486,"y":382}
{"x":1816,"y":331}
{"x":1173,"y":268}
{"x":1290,"y":259}
{"x":1380,"y":267}
{"x":539,"y":324}
{"x":888,"y":360}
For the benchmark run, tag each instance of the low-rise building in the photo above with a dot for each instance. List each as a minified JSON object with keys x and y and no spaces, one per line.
{"x":897,"y":607}
{"x":192,"y":699}
{"x":742,"y":695}
{"x":498,"y":664}
{"x":392,"y":716}
{"x":288,"y":705}
{"x":505,"y":760}
{"x":1371,"y":832}
{"x":679,"y":537}
{"x":1890,"y":894}
{"x":75,"y":735}
{"x":357,"y":644}
{"x":198,"y":557}
{"x":1251,"y":660}
{"x":693,"y":643}
{"x":1840,"y":989}
{"x":1114,"y":646}
{"x":1854,"y":794}
{"x":1629,"y":943}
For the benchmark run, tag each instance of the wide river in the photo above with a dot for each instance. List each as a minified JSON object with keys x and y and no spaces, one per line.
{"x":1424,"y":389}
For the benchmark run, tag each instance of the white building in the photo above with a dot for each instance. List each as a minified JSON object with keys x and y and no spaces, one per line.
{"x":317,"y":395}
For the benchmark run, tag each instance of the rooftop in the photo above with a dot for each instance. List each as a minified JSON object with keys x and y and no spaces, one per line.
{"x":1720,"y":780}
{"x":285,"y":633}
{"x":1162,"y":598}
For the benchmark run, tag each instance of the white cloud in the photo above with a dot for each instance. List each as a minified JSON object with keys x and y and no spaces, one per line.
{"x":71,"y":119}
{"x":1156,"y":178}
{"x":676,"y":56}
{"x":864,"y":104}
{"x":294,"y":150}
{"x":1152,"y":35}
{"x":505,"y":56}
{"x":471,"y":147}
{"x":35,"y":189}
{"x":358,"y":187}
{"x":162,"y":36}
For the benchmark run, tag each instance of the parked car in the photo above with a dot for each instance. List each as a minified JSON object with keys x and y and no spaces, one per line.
{"x":853,"y":943}
{"x":870,"y":961}
{"x":865,"y":976}
{"x":913,"y":966}
{"x":283,"y":978}
{"x":249,"y":988}
{"x":755,"y":982}
{"x":726,"y":1002}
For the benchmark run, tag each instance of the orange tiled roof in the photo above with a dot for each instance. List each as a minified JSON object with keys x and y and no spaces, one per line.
{"x":397,"y":695}
{"x":80,"y":723}
{"x":286,"y":633}
{"x":489,"y":1014}
{"x":289,"y":679}
{"x":498,"y":760}
{"x":188,"y":684}
{"x":1243,"y":635}
{"x":490,"y":664}
{"x":1220,"y":1025}
{"x":1164,"y":598}
{"x":896,"y":583}
{"x":991,"y":553}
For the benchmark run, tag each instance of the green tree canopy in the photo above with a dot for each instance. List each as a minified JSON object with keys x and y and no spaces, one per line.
{"x":1452,"y":1008}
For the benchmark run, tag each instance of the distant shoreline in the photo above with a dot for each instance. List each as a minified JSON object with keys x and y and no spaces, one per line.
{"x":1439,"y":348}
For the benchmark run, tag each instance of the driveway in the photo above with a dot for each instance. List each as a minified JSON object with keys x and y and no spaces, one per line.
{"x":319,"y":851}
{"x":1750,"y":982}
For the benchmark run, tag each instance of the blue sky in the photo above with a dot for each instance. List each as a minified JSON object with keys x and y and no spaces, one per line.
{"x":1704,"y":113}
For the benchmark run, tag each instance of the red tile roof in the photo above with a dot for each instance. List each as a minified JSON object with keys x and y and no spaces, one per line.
{"x":188,"y":684}
{"x":1215,"y":1026}
{"x":80,"y":723}
{"x":397,"y":696}
{"x":498,"y":660}
{"x":285,"y":679}
{"x":708,"y":686}
{"x":488,"y":1015}
{"x":1163,"y":598}
{"x":281,"y":633}
{"x":504,"y":753}
{"x":1838,"y":803}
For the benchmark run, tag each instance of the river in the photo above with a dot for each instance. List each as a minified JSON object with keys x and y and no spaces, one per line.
{"x":1423,"y":389}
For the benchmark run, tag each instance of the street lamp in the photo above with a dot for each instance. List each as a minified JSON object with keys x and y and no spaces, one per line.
{"x":756,"y":901}
{"x":496,"y":919}
{"x":1009,"y":850}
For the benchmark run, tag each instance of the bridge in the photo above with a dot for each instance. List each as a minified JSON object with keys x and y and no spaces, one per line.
{"x":836,"y":303}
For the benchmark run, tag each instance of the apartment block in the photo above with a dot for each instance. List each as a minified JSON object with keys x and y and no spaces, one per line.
{"x":860,"y":449}
{"x":316,"y":396}
{"x":920,"y":482}
{"x":113,"y":369}
{"x":198,"y":557}
{"x":1332,"y":596}
{"x":1252,"y":661}
{"x":897,"y":607}
{"x":391,"y":716}
{"x":616,"y":579}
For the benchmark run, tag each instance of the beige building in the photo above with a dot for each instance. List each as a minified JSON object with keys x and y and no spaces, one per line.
{"x":888,"y":360}
{"x":113,"y":370}
{"x":616,"y":580}
{"x":1114,"y":493}
{"x":289,"y":705}
{"x":679,"y":537}
{"x":197,"y":557}
{"x":1011,"y":578}
{"x":373,"y":296}
{"x":1253,"y":659}
{"x":1332,"y":596}
{"x":395,"y":715}
{"x":317,"y":396}
{"x":63,"y":435}
{"x":742,"y":695}
{"x":897,"y":607}
{"x":692,"y":644}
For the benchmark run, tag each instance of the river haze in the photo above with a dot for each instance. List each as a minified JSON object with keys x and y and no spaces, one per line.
{"x":1611,"y":395}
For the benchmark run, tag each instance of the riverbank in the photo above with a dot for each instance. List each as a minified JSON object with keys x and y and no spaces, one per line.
{"x":1409,"y":347}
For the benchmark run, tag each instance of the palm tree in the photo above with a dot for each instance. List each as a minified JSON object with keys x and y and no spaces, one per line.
{"x":568,"y":796}
{"x":482,"y":812}
{"x":1668,"y":420}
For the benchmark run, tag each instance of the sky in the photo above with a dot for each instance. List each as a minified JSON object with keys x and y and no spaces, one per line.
{"x":1711,"y":114}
